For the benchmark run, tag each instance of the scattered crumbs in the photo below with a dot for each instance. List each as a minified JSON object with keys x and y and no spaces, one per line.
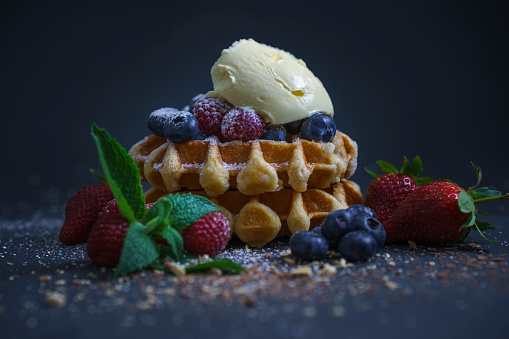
{"x":327,"y":270}
{"x":342,"y":263}
{"x":304,"y":271}
{"x":412,"y":245}
{"x":474,"y":245}
{"x":175,"y":268}
{"x":338,"y":311}
{"x":289,"y":261}
{"x":55,"y":299}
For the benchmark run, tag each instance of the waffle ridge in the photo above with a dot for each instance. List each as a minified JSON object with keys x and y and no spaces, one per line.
{"x":253,"y":167}
{"x":259,"y":219}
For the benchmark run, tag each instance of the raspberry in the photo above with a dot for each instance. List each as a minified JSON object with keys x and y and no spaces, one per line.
{"x":209,"y":235}
{"x":106,"y":240}
{"x":210,"y":112}
{"x":244,"y":125}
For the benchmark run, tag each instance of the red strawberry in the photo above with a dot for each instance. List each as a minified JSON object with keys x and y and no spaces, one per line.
{"x":111,"y":207}
{"x":106,"y":239}
{"x":81,"y":213}
{"x":387,"y":191}
{"x":209,"y":235}
{"x":430,"y":214}
{"x":440,"y":212}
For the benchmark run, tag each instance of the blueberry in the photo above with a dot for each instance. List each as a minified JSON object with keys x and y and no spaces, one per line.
{"x":359,"y":208}
{"x":371,"y":225}
{"x":294,"y":126}
{"x":158,"y":118}
{"x":308,"y":245}
{"x":317,"y":230}
{"x":357,"y":246}
{"x":337,"y":224}
{"x":190,"y":106}
{"x":200,"y":136}
{"x":319,"y":127}
{"x":274,"y":132}
{"x":181,"y":127}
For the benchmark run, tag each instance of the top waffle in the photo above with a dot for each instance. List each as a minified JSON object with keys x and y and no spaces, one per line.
{"x":252,"y":167}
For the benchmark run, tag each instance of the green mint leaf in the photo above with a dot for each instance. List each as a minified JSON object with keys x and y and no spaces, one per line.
{"x":139,"y":250}
{"x":484,"y":192}
{"x":187,"y":208}
{"x":465,"y":202}
{"x":387,"y":167}
{"x":121,"y":173}
{"x":161,"y":209}
{"x":175,"y":242}
{"x":226,"y":266}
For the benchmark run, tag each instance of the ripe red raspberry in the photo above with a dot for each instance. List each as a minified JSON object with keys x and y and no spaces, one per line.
{"x":81,"y":213}
{"x":244,"y":125}
{"x":106,"y":239}
{"x":210,"y":112}
{"x":209,"y":235}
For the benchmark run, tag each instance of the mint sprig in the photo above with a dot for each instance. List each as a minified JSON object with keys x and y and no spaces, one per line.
{"x":164,"y":221}
{"x":139,"y":250}
{"x":122,"y":175}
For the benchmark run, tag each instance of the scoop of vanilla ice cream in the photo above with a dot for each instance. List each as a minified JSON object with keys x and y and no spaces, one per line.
{"x":270,"y":81}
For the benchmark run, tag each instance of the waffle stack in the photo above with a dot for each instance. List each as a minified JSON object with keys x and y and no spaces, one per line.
{"x":266,"y":188}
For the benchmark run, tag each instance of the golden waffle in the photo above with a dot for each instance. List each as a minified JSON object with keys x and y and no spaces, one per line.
{"x":259,"y":219}
{"x":253,"y":167}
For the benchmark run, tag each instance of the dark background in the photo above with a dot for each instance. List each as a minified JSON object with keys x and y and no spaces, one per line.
{"x":426,"y":78}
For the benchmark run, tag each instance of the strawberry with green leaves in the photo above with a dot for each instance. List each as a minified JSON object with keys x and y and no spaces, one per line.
{"x":440,"y":212}
{"x":130,"y":240}
{"x":388,"y":190}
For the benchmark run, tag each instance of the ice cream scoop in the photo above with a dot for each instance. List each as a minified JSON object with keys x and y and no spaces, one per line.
{"x":270,"y":81}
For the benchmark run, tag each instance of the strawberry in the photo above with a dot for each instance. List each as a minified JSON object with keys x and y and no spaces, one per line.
{"x":440,"y":212}
{"x":81,"y":213}
{"x":208,"y":235}
{"x":111,"y":207}
{"x":106,"y":240}
{"x":387,"y":191}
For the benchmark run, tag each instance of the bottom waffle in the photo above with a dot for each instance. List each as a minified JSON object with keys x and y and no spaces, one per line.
{"x":259,"y":219}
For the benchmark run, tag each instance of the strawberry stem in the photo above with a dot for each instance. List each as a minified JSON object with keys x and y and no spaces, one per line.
{"x":490,"y":199}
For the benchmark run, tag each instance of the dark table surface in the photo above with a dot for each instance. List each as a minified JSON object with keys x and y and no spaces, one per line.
{"x":50,"y":290}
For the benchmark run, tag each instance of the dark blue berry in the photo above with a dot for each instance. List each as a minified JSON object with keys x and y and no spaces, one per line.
{"x":359,"y":208}
{"x":200,"y":136}
{"x":317,"y":230}
{"x":357,"y":246}
{"x":294,"y":126}
{"x":308,"y":245}
{"x":337,"y":224}
{"x":158,"y":118}
{"x":274,"y":132}
{"x":190,"y":106}
{"x":371,"y":225}
{"x":319,"y":127}
{"x":181,"y":127}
